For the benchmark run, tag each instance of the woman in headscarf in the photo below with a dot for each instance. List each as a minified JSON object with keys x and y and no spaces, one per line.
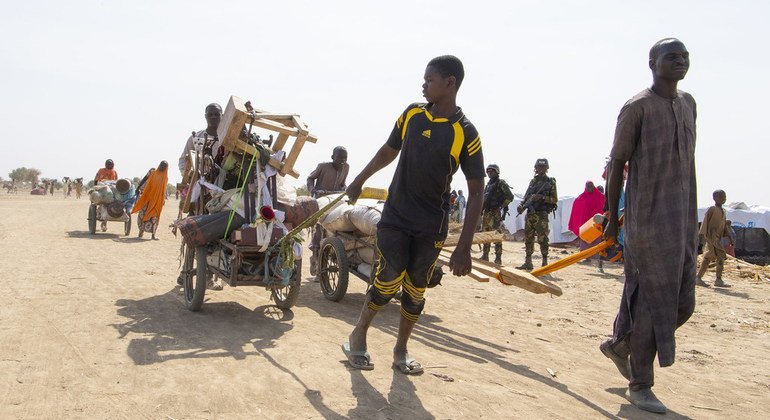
{"x":586,"y":205}
{"x":152,"y":196}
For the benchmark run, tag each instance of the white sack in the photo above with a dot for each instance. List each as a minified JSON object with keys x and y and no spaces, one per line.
{"x":337,"y":220}
{"x":365,"y":218}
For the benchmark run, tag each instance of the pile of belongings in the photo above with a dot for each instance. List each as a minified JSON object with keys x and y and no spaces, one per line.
{"x":116,"y":197}
{"x":226,"y":213}
{"x":358,"y":220}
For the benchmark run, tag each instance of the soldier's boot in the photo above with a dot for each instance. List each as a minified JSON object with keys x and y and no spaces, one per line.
{"x":498,"y":259}
{"x":527,"y":263}
{"x":485,"y":253}
{"x":545,"y":260}
{"x":719,"y":282}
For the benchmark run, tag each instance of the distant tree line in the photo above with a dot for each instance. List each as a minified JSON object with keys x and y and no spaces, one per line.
{"x":23,"y":174}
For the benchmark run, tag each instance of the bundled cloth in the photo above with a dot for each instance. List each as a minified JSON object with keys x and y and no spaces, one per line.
{"x":106,"y":192}
{"x":200,"y":230}
{"x":101,"y":194}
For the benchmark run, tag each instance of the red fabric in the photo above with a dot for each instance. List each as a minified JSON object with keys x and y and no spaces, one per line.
{"x":730,"y":250}
{"x":586,"y":205}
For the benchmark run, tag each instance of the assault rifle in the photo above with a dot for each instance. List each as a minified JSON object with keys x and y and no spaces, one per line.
{"x":505,"y":213}
{"x":529,"y":203}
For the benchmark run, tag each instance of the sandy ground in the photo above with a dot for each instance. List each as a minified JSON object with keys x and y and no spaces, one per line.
{"x":94,"y":327}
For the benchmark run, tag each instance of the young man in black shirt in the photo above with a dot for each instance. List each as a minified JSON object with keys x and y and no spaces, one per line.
{"x":434,"y":140}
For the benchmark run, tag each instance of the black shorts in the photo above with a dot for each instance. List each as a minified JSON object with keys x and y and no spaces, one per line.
{"x":405,"y":261}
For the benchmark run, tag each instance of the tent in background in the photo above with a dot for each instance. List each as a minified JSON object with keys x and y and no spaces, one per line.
{"x":744,"y":216}
{"x":558,"y":221}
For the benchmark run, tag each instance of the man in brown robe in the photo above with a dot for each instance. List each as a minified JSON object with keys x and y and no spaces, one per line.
{"x":327,"y":178}
{"x":655,"y":134}
{"x":713,"y":228}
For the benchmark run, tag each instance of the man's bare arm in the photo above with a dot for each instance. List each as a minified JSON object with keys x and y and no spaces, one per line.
{"x":460,"y":262}
{"x":381,"y":159}
{"x":614,"y":186}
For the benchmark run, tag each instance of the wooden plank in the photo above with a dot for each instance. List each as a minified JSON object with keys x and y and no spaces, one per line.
{"x":280,"y":142}
{"x":511,"y":276}
{"x":299,"y":125}
{"x":233,"y":120}
{"x":474,"y":274}
{"x":249,"y":149}
{"x":291,"y":158}
{"x":478,"y":238}
{"x":192,"y":160}
{"x":274,"y":117}
{"x":274,"y":126}
{"x":480,"y":268}
{"x":528,"y":282}
{"x":281,"y":129}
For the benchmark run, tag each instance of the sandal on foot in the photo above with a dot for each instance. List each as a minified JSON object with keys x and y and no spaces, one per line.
{"x":351,"y":354}
{"x":407,"y":365}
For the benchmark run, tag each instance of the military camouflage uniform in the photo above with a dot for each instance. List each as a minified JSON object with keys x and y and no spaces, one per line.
{"x":536,"y":224}
{"x":497,"y":195}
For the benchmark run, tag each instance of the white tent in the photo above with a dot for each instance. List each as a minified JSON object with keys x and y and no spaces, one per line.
{"x":742,"y":215}
{"x":559,"y":221}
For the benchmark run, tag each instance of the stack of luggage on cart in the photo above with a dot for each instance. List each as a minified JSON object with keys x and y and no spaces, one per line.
{"x":356,"y":226}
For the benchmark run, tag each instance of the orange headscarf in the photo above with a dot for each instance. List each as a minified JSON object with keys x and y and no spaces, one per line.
{"x":153,"y":195}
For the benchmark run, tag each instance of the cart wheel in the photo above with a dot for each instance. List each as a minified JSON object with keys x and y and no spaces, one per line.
{"x":286,"y":297}
{"x":128,"y":225}
{"x":194,"y":276}
{"x":92,"y":219}
{"x":333,"y":269}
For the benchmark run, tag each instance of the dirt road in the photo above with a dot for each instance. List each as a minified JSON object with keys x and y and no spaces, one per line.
{"x":95,"y":327}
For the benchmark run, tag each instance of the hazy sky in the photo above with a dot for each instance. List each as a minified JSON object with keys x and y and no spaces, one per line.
{"x":82,"y":81}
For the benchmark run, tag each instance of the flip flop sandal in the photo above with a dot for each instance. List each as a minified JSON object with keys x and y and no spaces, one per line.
{"x":350,"y":354}
{"x":408,"y":365}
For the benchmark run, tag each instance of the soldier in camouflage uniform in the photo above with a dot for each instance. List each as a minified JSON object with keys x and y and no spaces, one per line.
{"x":497,"y":196}
{"x":539,"y":201}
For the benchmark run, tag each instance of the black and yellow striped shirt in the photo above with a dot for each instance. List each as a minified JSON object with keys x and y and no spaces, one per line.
{"x":432,"y":149}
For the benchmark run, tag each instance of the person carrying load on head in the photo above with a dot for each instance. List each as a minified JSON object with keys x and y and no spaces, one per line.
{"x":327,"y":178}
{"x":539,"y":200}
{"x":497,"y":197}
{"x":152,"y":197}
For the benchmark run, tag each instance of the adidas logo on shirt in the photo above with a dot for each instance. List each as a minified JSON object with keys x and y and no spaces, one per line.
{"x":426,"y":133}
